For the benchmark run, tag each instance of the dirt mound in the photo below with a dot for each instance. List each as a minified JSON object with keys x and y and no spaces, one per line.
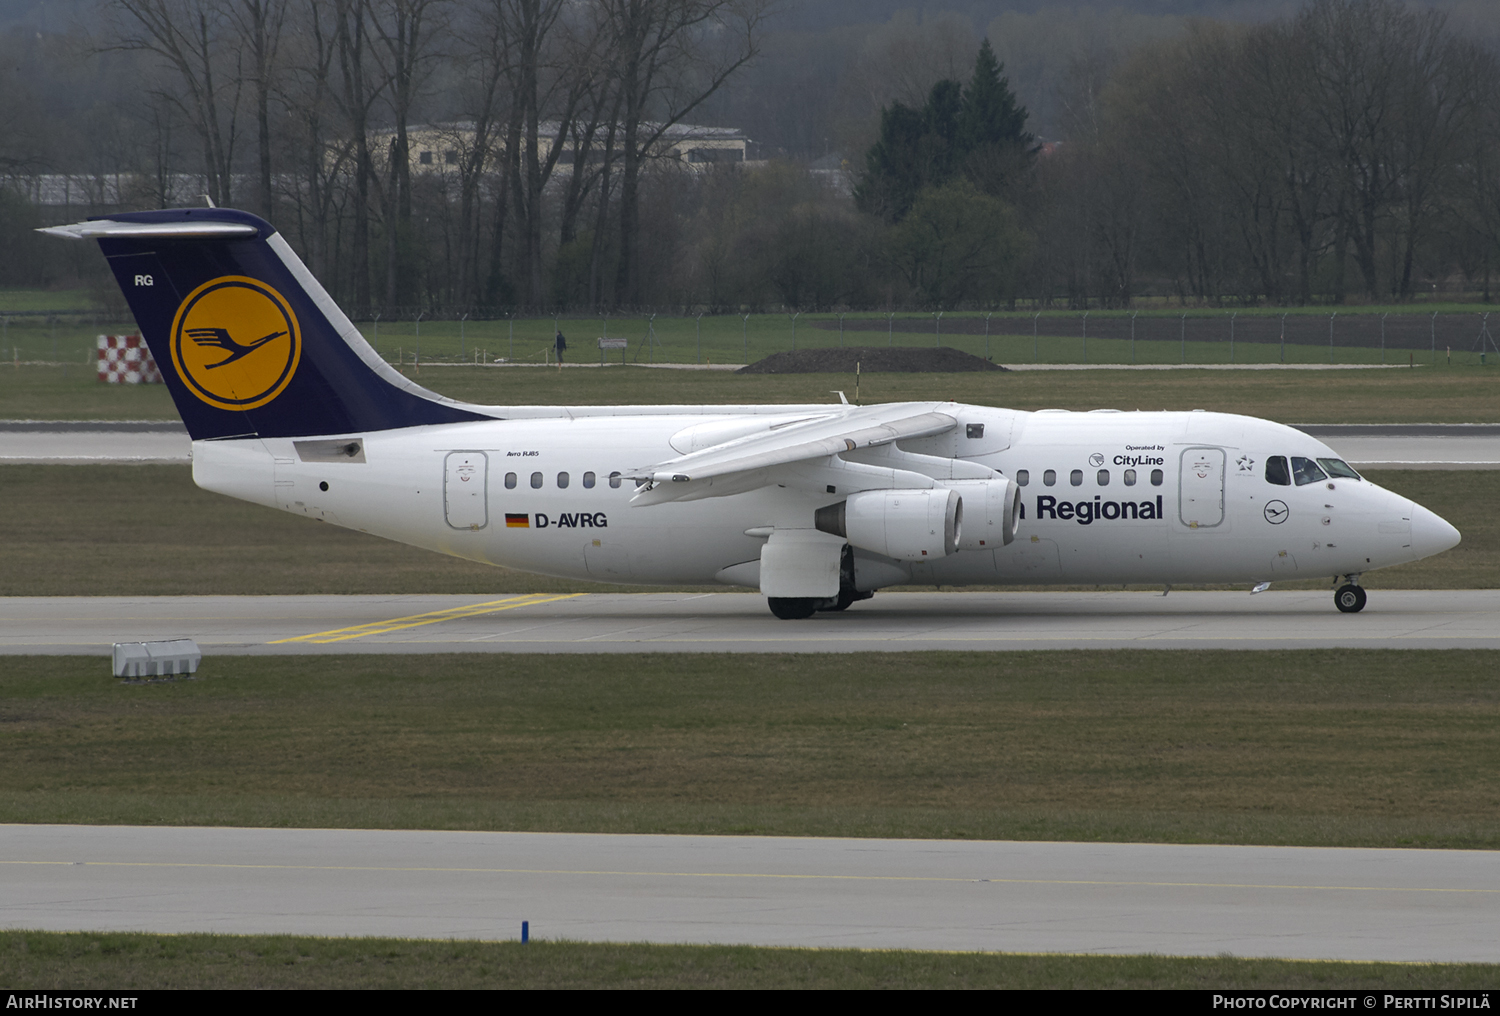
{"x":871,"y":360}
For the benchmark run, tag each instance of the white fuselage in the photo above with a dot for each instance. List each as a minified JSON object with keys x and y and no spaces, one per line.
{"x":1132,"y":498}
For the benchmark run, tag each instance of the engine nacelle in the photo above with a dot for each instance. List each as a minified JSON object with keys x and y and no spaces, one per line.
{"x":992,"y":512}
{"x":908,"y":525}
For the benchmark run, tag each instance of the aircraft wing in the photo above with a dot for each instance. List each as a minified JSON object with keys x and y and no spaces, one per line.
{"x":790,"y":445}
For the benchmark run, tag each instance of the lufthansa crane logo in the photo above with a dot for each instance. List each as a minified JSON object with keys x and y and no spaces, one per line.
{"x":235,"y":343}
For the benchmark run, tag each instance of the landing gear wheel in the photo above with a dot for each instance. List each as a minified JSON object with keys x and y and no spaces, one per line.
{"x":847,"y":593}
{"x":792,"y":608}
{"x":845,"y":598}
{"x":1349,"y":598}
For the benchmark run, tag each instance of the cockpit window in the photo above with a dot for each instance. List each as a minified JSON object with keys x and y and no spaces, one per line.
{"x":1339,"y":468}
{"x":1306,"y":471}
{"x":1277,"y":471}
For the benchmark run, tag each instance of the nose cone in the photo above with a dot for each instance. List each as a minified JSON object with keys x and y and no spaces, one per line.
{"x":1430,"y":533}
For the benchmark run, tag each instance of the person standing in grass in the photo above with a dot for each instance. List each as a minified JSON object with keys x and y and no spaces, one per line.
{"x":561,"y":344}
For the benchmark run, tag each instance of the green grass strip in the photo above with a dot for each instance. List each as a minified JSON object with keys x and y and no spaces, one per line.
{"x":32,"y":960}
{"x":1428,"y":394}
{"x":1296,"y":747}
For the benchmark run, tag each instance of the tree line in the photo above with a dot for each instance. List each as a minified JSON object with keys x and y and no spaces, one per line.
{"x":551,"y":114}
{"x":1350,"y":150}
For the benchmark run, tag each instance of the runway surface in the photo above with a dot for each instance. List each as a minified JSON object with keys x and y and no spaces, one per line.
{"x":740,"y":622}
{"x":1372,"y":446}
{"x":1309,"y":903}
{"x":1413,"y":446}
{"x":81,"y":442}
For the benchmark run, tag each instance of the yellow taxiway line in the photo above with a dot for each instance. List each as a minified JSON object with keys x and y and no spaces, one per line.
{"x":431,"y":617}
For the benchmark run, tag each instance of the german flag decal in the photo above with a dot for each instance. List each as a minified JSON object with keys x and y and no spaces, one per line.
{"x":522,"y":521}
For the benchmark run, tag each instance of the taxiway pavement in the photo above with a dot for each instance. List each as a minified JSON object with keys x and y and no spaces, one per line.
{"x":1299,"y":902}
{"x":740,"y":622}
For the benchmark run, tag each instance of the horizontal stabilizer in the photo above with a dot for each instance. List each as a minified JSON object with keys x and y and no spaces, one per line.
{"x":107,"y":228}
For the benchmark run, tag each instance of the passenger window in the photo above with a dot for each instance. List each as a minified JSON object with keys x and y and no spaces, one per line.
{"x":1339,"y":468}
{"x":510,"y":481}
{"x":1049,"y":477}
{"x":588,"y":481}
{"x":614,"y":479}
{"x":562,"y":481}
{"x":1306,"y":471}
{"x":536,"y":481}
{"x":1130,"y":477}
{"x":1023,"y":477}
{"x":1104,"y":477}
{"x":1156,"y":477}
{"x":1277,"y":471}
{"x":1076,"y":478}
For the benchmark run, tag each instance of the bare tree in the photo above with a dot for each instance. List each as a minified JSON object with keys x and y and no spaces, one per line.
{"x":1477,"y":212}
{"x":1394,"y":94}
{"x":406,"y":34}
{"x":318,"y":142}
{"x":361,"y":84}
{"x":548,"y":78}
{"x":196,"y":40}
{"x":481,"y":49}
{"x":668,"y":57}
{"x":258,"y":26}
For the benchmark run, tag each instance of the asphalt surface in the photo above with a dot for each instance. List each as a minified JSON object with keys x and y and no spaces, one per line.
{"x":1373,"y":446}
{"x":1306,"y":903}
{"x":740,"y":622}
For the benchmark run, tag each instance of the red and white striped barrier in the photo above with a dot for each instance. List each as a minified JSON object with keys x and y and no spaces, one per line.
{"x":124,"y":359}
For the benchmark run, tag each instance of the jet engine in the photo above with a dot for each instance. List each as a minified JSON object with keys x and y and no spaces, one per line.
{"x":908,"y":525}
{"x":992,"y":512}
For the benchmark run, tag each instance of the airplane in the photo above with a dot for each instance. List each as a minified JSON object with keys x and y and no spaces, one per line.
{"x":817,"y":506}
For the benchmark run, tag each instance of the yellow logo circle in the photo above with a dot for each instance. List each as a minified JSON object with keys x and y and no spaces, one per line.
{"x":235,"y":343}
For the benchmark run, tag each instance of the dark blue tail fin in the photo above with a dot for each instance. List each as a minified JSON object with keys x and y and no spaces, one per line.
{"x":247,"y":340}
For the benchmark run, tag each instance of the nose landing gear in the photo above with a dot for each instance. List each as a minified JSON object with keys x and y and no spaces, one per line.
{"x":1349,"y":597}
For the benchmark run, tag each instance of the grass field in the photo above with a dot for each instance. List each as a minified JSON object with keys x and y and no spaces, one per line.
{"x":13,"y":299}
{"x":127,"y":962}
{"x":1424,"y":395}
{"x":735,"y":338}
{"x":1335,"y":748}
{"x":147,"y":530}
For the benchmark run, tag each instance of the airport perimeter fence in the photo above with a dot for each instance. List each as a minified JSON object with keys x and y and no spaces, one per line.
{"x":1456,"y":337}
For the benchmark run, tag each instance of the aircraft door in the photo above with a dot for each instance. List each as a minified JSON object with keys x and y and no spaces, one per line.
{"x":1201,"y":487}
{"x":465,"y":494}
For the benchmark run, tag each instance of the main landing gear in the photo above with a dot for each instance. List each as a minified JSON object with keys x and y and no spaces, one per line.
{"x":795,"y":608}
{"x":1349,"y":597}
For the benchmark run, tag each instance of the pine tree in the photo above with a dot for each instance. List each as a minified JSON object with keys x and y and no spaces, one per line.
{"x":991,"y":115}
{"x":977,"y":132}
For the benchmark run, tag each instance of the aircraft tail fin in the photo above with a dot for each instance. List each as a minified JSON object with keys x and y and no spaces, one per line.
{"x":248,"y":342}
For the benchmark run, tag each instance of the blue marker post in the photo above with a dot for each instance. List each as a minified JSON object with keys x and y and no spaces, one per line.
{"x":525,"y":931}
